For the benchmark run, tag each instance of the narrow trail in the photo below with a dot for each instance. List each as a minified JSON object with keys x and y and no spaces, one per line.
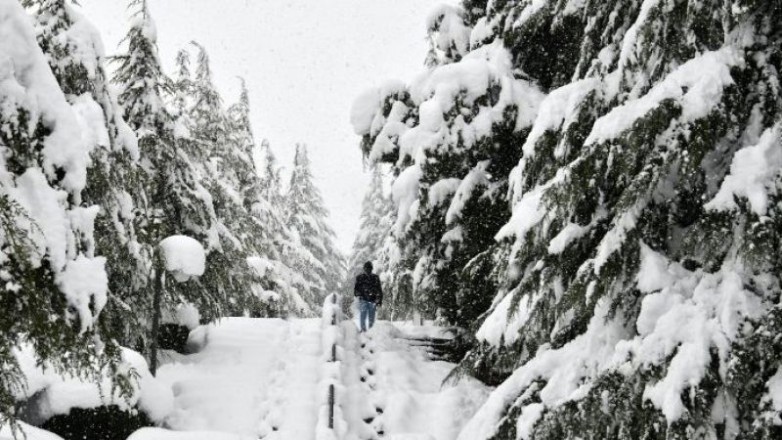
{"x":294,"y":415}
{"x":259,"y":379}
{"x":364,"y":409}
{"x":397,"y":389}
{"x":254,"y":377}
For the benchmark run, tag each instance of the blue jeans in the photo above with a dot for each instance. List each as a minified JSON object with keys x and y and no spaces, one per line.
{"x":366,"y":313}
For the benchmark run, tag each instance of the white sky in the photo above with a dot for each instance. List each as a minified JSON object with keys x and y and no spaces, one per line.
{"x":304,"y":62}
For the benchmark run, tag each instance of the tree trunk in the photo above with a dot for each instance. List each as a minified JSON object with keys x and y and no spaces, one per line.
{"x":156,"y":316}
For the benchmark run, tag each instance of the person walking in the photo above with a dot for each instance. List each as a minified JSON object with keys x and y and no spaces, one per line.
{"x":370,"y":296}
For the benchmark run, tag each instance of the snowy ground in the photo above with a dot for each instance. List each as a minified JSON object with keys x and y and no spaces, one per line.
{"x":254,"y":377}
{"x":395,"y":390}
{"x":258,"y":379}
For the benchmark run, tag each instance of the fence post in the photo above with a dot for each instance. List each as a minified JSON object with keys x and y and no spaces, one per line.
{"x":331,"y":326}
{"x":331,"y":406}
{"x":333,"y":359}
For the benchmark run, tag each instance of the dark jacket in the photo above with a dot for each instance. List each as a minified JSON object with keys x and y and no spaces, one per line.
{"x":368,"y":288}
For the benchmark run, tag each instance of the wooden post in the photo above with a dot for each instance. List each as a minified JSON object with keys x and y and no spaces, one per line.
{"x":331,"y":406}
{"x":332,"y":391}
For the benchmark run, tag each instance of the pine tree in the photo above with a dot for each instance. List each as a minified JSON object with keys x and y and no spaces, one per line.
{"x":226,"y":170}
{"x":241,"y":163}
{"x":272,"y":285}
{"x":316,"y":256}
{"x":374,"y":224}
{"x":210,"y":121}
{"x":181,"y":94}
{"x":247,"y":268}
{"x":632,"y":288}
{"x":173,"y":200}
{"x":264,"y":199}
{"x":248,"y":205}
{"x":54,"y":287}
{"x":376,"y":221}
{"x":452,"y":169}
{"x":282,"y":249}
{"x":72,"y":47}
{"x":278,"y":291}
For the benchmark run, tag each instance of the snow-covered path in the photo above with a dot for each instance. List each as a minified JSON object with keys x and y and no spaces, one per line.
{"x":395,"y":390}
{"x":259,"y":379}
{"x":254,"y":377}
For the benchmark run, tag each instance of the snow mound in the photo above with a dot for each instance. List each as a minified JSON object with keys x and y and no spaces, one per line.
{"x":28,"y":432}
{"x":164,"y":434}
{"x":184,"y":257}
{"x":410,"y":437}
{"x":58,"y":394}
{"x":85,"y":283}
{"x":185,"y":314}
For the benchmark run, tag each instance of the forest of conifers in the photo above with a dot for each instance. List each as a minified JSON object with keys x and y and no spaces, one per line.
{"x":586,"y":191}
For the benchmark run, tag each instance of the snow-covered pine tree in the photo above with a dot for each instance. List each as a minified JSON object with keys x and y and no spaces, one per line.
{"x":270,"y":174}
{"x":75,"y":53}
{"x":274,"y":283}
{"x":374,"y":224}
{"x":224,"y":156}
{"x":257,"y":240}
{"x":227,"y":167}
{"x":173,"y":199}
{"x":245,"y":174}
{"x":208,"y":116}
{"x":315,"y":255}
{"x":375,"y":227}
{"x":637,"y":281}
{"x":283,"y":248}
{"x":53,"y":285}
{"x":181,"y":94}
{"x":452,"y":149}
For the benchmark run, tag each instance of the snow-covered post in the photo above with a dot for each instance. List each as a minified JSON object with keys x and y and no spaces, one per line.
{"x":331,"y":425}
{"x":185,"y":259}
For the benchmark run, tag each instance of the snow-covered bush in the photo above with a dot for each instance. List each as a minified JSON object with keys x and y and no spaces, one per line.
{"x":183,"y":257}
{"x":49,"y":392}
